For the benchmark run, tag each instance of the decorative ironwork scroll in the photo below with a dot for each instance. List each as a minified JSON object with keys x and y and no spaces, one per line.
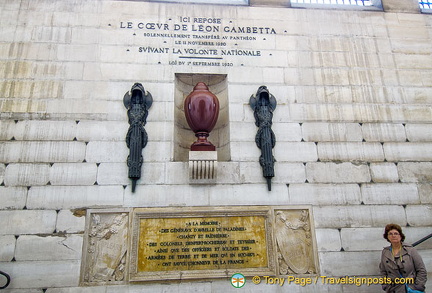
{"x":137,"y":101}
{"x":263,"y":103}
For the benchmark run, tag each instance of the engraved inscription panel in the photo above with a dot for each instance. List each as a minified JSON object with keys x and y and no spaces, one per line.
{"x":202,"y":243}
{"x":194,"y":243}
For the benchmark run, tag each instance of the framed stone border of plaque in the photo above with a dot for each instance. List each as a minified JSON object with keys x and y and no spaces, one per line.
{"x":105,"y":247}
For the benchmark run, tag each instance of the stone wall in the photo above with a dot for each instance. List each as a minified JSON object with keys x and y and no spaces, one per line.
{"x":352,"y":126}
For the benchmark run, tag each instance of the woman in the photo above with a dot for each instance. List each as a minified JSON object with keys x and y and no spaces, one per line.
{"x":400,"y":259}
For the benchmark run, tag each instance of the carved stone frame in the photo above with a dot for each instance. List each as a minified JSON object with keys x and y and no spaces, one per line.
{"x":86,"y":259}
{"x":199,"y":212}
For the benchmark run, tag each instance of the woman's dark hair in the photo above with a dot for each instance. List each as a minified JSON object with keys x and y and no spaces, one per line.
{"x":390,"y":227}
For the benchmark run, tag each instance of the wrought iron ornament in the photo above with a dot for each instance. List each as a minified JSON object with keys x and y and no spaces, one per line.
{"x":137,"y":101}
{"x":263,"y":103}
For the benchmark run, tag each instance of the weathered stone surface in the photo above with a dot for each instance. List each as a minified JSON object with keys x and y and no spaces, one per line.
{"x":337,"y":173}
{"x":419,"y":215}
{"x":117,"y":173}
{"x":70,"y":221}
{"x":31,"y":247}
{"x":45,"y":130}
{"x":350,"y":151}
{"x":7,"y":129}
{"x":384,"y":172}
{"x":2,"y":172}
{"x":419,"y":132}
{"x":425,"y":191}
{"x":353,"y":239}
{"x":407,"y":151}
{"x":43,"y":274}
{"x":102,"y":130}
{"x":324,"y":194}
{"x":383,"y":132}
{"x":43,"y":152}
{"x":13,"y":198}
{"x":358,"y":216}
{"x":331,"y":131}
{"x":7,"y":247}
{"x":251,"y":172}
{"x":390,"y":193}
{"x":26,"y":174}
{"x":70,"y":197}
{"x":350,"y":264}
{"x":415,"y":171}
{"x":27,"y":222}
{"x":328,"y":240}
{"x":73,"y":174}
{"x":295,"y":152}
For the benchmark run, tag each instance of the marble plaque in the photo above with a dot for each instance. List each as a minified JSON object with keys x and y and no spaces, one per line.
{"x":184,"y":243}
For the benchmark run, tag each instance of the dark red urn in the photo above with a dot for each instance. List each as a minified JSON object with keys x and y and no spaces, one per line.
{"x":202,"y":110}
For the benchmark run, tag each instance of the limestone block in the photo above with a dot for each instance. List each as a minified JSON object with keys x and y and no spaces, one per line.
{"x":419,"y":215}
{"x":43,"y":274}
{"x":408,"y":151}
{"x":289,"y":173}
{"x":117,"y":173}
{"x":168,"y":195}
{"x":425,"y":191}
{"x":251,"y":172}
{"x":26,"y":174}
{"x":27,"y":222}
{"x":102,"y":130}
{"x":337,"y":173}
{"x":384,"y":172}
{"x":419,"y":132}
{"x":69,"y":221}
{"x":73,"y":174}
{"x":106,"y":152}
{"x":295,"y":152}
{"x":7,"y":247}
{"x":316,"y":131}
{"x":389,"y":193}
{"x":415,"y":171}
{"x":358,"y":216}
{"x":39,"y":151}
{"x":328,"y":239}
{"x":69,"y":197}
{"x":324,"y":194}
{"x":363,"y":239}
{"x":177,"y":172}
{"x":13,"y":198}
{"x":257,"y":194}
{"x":350,"y":151}
{"x":160,"y":131}
{"x":7,"y":129}
{"x":359,"y":263}
{"x":287,"y":131}
{"x":228,"y":172}
{"x":383,"y":132}
{"x":113,"y":173}
{"x":70,"y":52}
{"x":244,"y":151}
{"x":50,"y":248}
{"x":412,"y":61}
{"x":2,"y":172}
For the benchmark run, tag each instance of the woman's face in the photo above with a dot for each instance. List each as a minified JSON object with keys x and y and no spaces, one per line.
{"x":394,"y":237}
